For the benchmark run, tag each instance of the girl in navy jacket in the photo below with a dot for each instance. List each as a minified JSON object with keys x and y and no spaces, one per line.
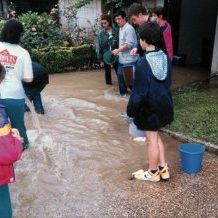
{"x":150,"y":103}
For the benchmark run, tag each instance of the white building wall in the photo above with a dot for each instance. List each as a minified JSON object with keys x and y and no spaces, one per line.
{"x":86,"y":15}
{"x":214,"y":67}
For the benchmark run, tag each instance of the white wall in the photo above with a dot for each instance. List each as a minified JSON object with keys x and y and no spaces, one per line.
{"x":86,"y":15}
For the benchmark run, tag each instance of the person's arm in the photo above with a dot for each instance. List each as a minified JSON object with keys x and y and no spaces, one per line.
{"x":130,"y":42}
{"x":137,"y":51}
{"x":168,"y":41}
{"x":122,"y":48}
{"x":27,"y":69}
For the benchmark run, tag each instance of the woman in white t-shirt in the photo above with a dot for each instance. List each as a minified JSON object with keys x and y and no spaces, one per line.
{"x":18,"y":66}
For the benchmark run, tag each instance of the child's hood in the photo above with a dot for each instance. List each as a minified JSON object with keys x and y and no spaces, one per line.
{"x":158,"y":63}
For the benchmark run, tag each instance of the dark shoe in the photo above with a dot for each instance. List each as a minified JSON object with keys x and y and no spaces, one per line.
{"x":40,"y":112}
{"x":25,"y":147}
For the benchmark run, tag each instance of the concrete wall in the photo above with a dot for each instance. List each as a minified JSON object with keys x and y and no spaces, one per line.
{"x":87,"y":15}
{"x":214,"y":67}
{"x":197,"y":28}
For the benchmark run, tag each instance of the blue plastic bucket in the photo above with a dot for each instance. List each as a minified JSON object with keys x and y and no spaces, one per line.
{"x":191,"y":156}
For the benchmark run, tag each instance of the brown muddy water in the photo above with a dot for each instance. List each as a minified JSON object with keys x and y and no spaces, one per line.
{"x":81,"y":156}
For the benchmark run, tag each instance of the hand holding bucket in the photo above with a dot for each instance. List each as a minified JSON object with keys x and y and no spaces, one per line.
{"x":109,"y":58}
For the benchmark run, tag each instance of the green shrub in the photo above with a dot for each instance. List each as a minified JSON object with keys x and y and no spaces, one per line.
{"x":57,"y":59}
{"x":2,"y":23}
{"x":40,"y":31}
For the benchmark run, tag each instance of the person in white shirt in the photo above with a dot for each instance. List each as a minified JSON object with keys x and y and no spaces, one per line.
{"x":127,"y":41}
{"x":18,"y":65}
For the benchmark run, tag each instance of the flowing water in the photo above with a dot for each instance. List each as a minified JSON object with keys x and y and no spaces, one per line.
{"x":78,"y":142}
{"x":81,"y":155}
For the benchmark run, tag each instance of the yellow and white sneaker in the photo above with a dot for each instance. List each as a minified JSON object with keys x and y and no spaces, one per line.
{"x":147,"y":175}
{"x":164,"y":173}
{"x":138,"y":172}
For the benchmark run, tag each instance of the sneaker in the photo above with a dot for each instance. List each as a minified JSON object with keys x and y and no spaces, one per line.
{"x":164,"y":173}
{"x":138,"y":172}
{"x":147,"y":175}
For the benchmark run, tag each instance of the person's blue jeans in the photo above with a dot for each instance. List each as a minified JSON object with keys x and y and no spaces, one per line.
{"x":34,"y":96}
{"x":5,"y":202}
{"x":15,"y":109}
{"x":120,"y":77}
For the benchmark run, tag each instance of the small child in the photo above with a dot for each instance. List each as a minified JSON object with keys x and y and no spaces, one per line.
{"x":11,"y":147}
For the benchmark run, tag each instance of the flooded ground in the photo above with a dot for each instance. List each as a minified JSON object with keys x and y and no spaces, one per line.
{"x":81,"y":158}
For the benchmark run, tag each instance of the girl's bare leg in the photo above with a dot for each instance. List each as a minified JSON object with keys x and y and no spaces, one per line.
{"x":153,"y":149}
{"x":162,"y":160}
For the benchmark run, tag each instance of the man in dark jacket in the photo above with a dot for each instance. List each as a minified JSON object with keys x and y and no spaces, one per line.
{"x":107,"y":40}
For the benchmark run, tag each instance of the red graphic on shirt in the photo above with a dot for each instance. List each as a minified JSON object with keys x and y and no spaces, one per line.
{"x":7,"y":58}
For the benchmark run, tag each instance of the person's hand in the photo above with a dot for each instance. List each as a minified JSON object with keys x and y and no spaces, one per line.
{"x":15,"y":133}
{"x":115,"y":52}
{"x":134,"y":52}
{"x":126,"y":117}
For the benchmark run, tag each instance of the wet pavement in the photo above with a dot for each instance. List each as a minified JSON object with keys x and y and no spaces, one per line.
{"x":81,"y":158}
{"x":185,"y":75}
